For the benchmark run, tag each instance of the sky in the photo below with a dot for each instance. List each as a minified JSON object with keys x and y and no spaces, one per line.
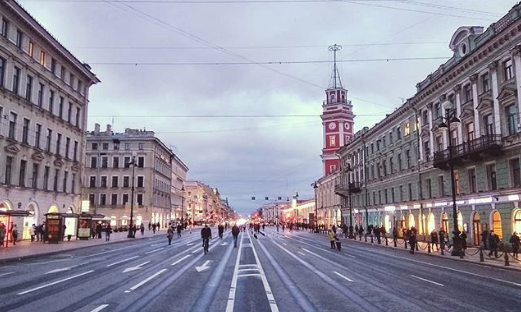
{"x":235,"y":87}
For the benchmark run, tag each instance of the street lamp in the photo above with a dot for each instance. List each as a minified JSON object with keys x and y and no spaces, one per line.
{"x":315,"y":187}
{"x":182,"y":205}
{"x":131,"y":233}
{"x":450,"y":118}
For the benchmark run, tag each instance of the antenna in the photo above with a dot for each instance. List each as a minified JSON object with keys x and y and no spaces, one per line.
{"x":335,"y":75}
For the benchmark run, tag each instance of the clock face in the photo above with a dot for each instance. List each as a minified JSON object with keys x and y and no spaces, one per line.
{"x":331,"y":126}
{"x":347,"y":126}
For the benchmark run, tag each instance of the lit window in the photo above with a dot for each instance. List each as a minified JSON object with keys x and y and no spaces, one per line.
{"x":31,"y":49}
{"x":42,"y":58}
{"x":332,"y":140}
{"x":406,"y":129}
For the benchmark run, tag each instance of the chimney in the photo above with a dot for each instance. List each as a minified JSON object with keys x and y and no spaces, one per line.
{"x":109,"y":129}
{"x":96,"y":128}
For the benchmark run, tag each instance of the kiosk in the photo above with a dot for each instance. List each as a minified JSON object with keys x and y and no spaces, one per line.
{"x":53,"y":228}
{"x":7,"y":230}
{"x":86,"y":224}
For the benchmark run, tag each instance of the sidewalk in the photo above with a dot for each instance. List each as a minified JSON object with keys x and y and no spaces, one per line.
{"x":472,"y":254}
{"x":27,"y":249}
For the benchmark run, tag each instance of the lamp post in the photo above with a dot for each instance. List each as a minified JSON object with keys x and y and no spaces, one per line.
{"x":315,"y":187}
{"x":131,"y":233}
{"x":182,"y":205}
{"x":450,"y":118}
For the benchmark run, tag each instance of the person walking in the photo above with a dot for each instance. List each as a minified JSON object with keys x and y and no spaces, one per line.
{"x":441,"y":237}
{"x":220,"y":230}
{"x":484,"y":239}
{"x":179,"y":230}
{"x":108,"y":231}
{"x":434,"y":240}
{"x":332,"y":238}
{"x":14,"y":233}
{"x":493,"y":243}
{"x":338,"y":237}
{"x":142,"y":229}
{"x":170,"y":235}
{"x":32,"y":231}
{"x":412,"y":239}
{"x":463,"y":237}
{"x":514,"y":240}
{"x":235,"y":234}
{"x":2,"y":233}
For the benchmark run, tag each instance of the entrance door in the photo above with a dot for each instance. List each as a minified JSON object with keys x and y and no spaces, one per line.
{"x":445,"y":221}
{"x":496,"y":224}
{"x":476,"y":229}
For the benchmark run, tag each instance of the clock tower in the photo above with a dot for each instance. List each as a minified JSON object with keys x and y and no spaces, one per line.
{"x":337,"y":119}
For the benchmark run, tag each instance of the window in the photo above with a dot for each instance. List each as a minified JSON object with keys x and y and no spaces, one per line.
{"x":93,"y":162}
{"x":141,"y":162}
{"x":410,"y":191}
{"x":470,"y":131}
{"x":2,"y":70}
{"x":125,"y":199}
{"x":71,"y":80}
{"x":139,"y":199}
{"x":67,"y":147}
{"x":8,"y":168}
{"x":485,"y":82}
{"x":141,"y":146}
{"x":94,"y":146}
{"x":472,"y":180}
{"x":429,"y":188}
{"x":401,"y":192}
{"x":114,"y":181}
{"x":73,"y":184}
{"x":391,"y":165}
{"x":114,"y":199}
{"x":38,"y":135}
{"x":103,"y":199}
{"x":488,"y":122}
{"x":384,"y":166}
{"x":49,"y":138}
{"x":126,"y":181}
{"x":56,"y":177}
{"x":467,"y":89}
{"x":116,"y":146}
{"x":378,"y":172}
{"x":60,"y":107}
{"x":80,"y":86}
{"x":140,"y":181}
{"x":512,"y":119}
{"x":515,"y":173}
{"x":78,"y":117}
{"x":508,"y":70}
{"x":91,"y":199}
{"x":25,"y":131}
{"x":426,"y":151}
{"x":491,"y":177}
{"x":19,"y":38}
{"x":92,"y":181}
{"x":42,"y":58}
{"x":115,"y":162}
{"x":105,"y":146}
{"x":408,"y":158}
{"x":62,"y":73}
{"x":53,"y":66}
{"x":377,"y":145}
{"x":16,"y":80}
{"x":454,"y":137}
{"x":21,"y":178}
{"x":51,"y":101}
{"x":332,"y":142}
{"x":372,"y":148}
{"x":104,"y":162}
{"x":40,"y":94}
{"x":379,"y":197}
{"x":441,"y":186}
{"x":12,"y":125}
{"x":391,"y":137}
{"x":437,"y":110}
{"x":65,"y":181}
{"x":399,"y":162}
{"x":75,"y":154}
{"x":127,"y":162}
{"x":374,"y":198}
{"x":5,"y":27}
{"x":127,"y":146}
{"x":34,"y":178}
{"x":29,"y":88}
{"x":456,"y":182}
{"x":58,"y":143}
{"x":385,"y":196}
{"x":46,"y":175}
{"x":406,"y":129}
{"x":103,"y":182}
{"x":69,"y":113}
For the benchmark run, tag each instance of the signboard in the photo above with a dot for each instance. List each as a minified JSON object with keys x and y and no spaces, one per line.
{"x":53,"y":228}
{"x":84,"y":227}
{"x":312,"y":219}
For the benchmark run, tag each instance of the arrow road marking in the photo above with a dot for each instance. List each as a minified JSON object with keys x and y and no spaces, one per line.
{"x":342,"y":276}
{"x":203,"y":267}
{"x":128,"y":259}
{"x":187,"y":256}
{"x":137,"y":267}
{"x":53,"y":283}
{"x":144,"y":281}
{"x":101,"y":307}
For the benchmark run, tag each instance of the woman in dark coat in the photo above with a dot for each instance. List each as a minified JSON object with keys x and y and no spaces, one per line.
{"x":514,"y":240}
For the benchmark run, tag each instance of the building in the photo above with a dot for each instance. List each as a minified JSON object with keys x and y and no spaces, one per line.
{"x":179,"y":171}
{"x":329,"y":209}
{"x":119,"y":164}
{"x":43,"y":116}
{"x":203,"y":203}
{"x":405,"y":181}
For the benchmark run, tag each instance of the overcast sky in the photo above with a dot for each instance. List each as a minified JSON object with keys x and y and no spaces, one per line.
{"x":171,"y":66}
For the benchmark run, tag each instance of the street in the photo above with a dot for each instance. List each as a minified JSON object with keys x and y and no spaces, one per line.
{"x":290,"y":271}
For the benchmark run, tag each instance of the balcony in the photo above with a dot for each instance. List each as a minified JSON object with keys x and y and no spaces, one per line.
{"x":350,"y":188}
{"x":472,"y":150}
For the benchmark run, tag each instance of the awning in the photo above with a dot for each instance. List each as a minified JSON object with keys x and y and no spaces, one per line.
{"x":16,"y":213}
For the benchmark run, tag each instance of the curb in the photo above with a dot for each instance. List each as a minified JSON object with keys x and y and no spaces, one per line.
{"x":510,"y":268}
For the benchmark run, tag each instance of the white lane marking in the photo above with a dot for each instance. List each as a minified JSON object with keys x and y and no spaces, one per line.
{"x":203,"y":267}
{"x":108,"y":251}
{"x":145,"y":281}
{"x":187,"y":256}
{"x":151,"y":251}
{"x":251,"y":274}
{"x":233,"y":286}
{"x":101,"y":307}
{"x":61,"y":270}
{"x":284,"y":244}
{"x":124,"y":260}
{"x":54,"y":283}
{"x":195,"y":251}
{"x":137,"y":267}
{"x":224,"y":244}
{"x":189,"y":244}
{"x":426,"y":280}
{"x":4,"y":274}
{"x":342,"y":276}
{"x":301,"y":253}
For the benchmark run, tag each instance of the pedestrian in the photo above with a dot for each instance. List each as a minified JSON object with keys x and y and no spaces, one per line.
{"x":32,"y":231}
{"x":235,"y":234}
{"x":154,"y":228}
{"x":412,"y":239}
{"x":484,"y":239}
{"x":14,"y":233}
{"x":463,"y":237}
{"x":338,"y":237}
{"x":2,"y":233}
{"x":99,"y":229}
{"x":360,"y":232}
{"x":493,"y":243}
{"x":170,"y":235}
{"x":149,"y":226}
{"x":434,"y":240}
{"x":108,"y":231}
{"x":441,"y":237}
{"x":332,"y":238}
{"x":514,"y":240}
{"x":345,"y":230}
{"x":142,"y":228}
{"x":377,"y":233}
{"x":179,"y":230}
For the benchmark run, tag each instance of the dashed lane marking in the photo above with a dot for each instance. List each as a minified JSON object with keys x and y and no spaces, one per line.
{"x":101,"y":307}
{"x":426,"y":280}
{"x":145,"y":281}
{"x":342,"y":276}
{"x":53,"y":283}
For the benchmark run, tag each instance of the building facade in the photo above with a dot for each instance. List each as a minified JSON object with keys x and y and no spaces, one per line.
{"x":121,"y":163}
{"x":407,"y":182}
{"x":203,"y":204}
{"x":179,"y":171}
{"x":43,"y":115}
{"x":329,"y":208}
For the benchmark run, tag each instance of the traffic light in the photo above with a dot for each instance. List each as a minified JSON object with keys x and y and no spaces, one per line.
{"x":266,"y":198}
{"x":253,"y":198}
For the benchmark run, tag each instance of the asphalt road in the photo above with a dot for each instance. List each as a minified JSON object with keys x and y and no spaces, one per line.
{"x":294,"y":271}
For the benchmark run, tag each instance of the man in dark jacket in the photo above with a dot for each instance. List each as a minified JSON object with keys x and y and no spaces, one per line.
{"x":206,"y":234}
{"x":235,"y":234}
{"x":514,"y":240}
{"x":493,"y":243}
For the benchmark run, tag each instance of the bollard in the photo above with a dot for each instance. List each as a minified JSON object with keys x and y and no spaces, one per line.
{"x":481,"y":256}
{"x":395,"y":242}
{"x":428,"y":248}
{"x":372,"y":242}
{"x":365,"y":238}
{"x":442,"y":248}
{"x":386,"y":243}
{"x":507,"y":263}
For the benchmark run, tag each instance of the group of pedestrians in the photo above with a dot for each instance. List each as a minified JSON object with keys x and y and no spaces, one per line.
{"x":4,"y":231}
{"x":173,"y":228}
{"x":335,"y":235}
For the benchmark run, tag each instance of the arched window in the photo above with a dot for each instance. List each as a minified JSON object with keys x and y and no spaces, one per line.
{"x":460,"y":221}
{"x":517,"y":221}
{"x":411,"y":221}
{"x":431,"y":225}
{"x":445,"y":221}
{"x":476,"y":228}
{"x":496,"y":224}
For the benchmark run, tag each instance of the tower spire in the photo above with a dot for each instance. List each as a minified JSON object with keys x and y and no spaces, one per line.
{"x":335,"y":81}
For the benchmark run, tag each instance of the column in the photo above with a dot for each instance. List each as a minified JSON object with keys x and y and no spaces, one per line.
{"x":516,"y":55}
{"x":475,"y":103}
{"x":495,"y":92}
{"x":457,"y":97}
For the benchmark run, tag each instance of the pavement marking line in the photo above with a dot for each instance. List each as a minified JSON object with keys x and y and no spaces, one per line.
{"x":136,"y":267}
{"x":176,"y":262}
{"x":426,"y":280}
{"x":145,"y":281}
{"x":53,"y":283}
{"x":233,"y":286}
{"x":344,"y":277}
{"x":151,"y":251}
{"x":125,"y":260}
{"x":101,"y":307}
{"x":284,"y":244}
{"x":252,"y":274}
{"x":301,"y":253}
{"x":4,"y":274}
